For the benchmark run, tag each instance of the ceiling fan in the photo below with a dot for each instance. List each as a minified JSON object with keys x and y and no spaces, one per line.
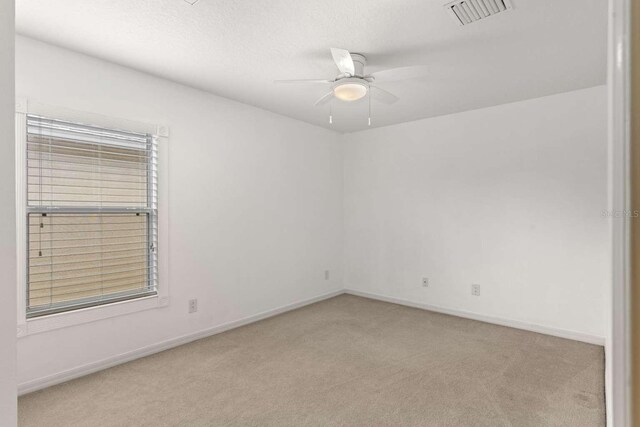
{"x":353,"y":84}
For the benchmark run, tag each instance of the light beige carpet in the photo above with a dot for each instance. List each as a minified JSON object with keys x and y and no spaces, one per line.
{"x":347,"y":361}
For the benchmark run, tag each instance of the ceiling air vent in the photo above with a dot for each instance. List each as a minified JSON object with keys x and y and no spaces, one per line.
{"x":467,"y":11}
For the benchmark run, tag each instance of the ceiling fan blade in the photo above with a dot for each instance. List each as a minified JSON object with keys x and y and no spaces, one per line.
{"x":343,"y":60}
{"x":325,"y":99}
{"x":310,"y":81}
{"x":402,"y":73}
{"x":382,"y":95}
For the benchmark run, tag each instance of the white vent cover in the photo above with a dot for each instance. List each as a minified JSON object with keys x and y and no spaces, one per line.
{"x":467,"y":11}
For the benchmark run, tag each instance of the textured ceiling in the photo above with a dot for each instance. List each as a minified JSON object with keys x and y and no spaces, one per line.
{"x":236,"y":48}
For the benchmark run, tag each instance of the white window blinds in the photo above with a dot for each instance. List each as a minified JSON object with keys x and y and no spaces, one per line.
{"x":92,"y":215}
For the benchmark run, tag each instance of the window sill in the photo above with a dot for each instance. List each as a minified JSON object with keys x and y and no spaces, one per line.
{"x":90,"y":314}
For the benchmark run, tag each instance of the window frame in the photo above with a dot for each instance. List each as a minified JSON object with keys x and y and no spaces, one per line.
{"x":30,"y":325}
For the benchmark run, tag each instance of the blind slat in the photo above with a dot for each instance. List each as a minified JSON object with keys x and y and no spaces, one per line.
{"x":118,"y":281}
{"x":69,"y":275}
{"x":42,"y":174}
{"x":81,"y":150}
{"x":133,"y":279}
{"x":99,"y":290}
{"x":63,"y":165}
{"x":70,"y":254}
{"x":96,"y":260}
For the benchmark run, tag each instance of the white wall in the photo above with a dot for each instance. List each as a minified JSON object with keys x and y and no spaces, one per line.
{"x":508,"y":197}
{"x":255,"y":205}
{"x":7,"y":219}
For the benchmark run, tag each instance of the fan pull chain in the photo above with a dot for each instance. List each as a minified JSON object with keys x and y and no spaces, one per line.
{"x":330,"y":115}
{"x":369,"y":107}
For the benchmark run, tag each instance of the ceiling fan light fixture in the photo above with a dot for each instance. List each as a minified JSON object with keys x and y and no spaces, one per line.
{"x":350,"y":90}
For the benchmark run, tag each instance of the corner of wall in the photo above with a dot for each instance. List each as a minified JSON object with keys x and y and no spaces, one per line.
{"x":8,"y":297}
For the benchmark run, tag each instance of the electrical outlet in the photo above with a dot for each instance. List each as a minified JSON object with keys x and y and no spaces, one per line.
{"x":326,"y":275}
{"x":425,"y":282}
{"x":475,"y":290}
{"x":193,"y":305}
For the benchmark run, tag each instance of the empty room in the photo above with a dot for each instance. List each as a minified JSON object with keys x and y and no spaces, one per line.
{"x":297,"y":213}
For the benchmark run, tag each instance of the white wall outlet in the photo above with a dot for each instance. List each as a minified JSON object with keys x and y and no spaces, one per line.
{"x":193,"y":305}
{"x":425,"y":282}
{"x":326,"y":275}
{"x":475,"y":290}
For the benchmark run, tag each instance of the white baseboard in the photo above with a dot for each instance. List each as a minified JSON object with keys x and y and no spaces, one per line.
{"x":547,"y":330}
{"x":89,"y":368}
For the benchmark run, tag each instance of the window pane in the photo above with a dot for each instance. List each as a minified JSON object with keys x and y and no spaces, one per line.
{"x":77,"y":258}
{"x":65,"y":173}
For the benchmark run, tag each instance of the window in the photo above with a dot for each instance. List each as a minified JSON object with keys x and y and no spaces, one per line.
{"x":91,"y":206}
